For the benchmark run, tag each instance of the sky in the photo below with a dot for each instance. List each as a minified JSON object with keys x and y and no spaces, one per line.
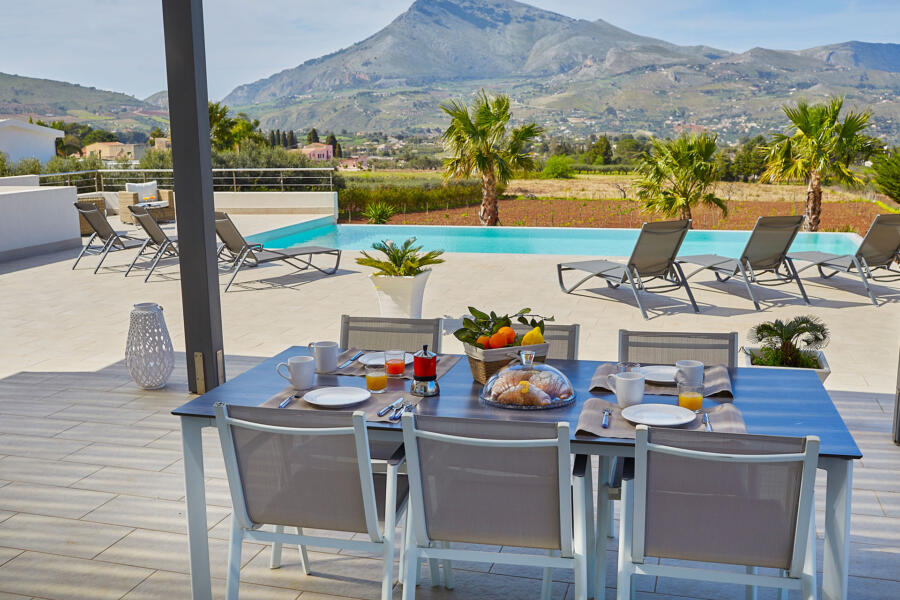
{"x":118,"y":44}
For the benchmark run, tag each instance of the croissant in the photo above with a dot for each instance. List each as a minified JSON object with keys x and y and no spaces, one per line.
{"x":552,"y":384}
{"x":524,"y":394}
{"x":507,"y":380}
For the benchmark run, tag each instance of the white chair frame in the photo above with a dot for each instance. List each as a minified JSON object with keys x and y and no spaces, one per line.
{"x":572,"y":501}
{"x":802,"y":573}
{"x":242,"y":527}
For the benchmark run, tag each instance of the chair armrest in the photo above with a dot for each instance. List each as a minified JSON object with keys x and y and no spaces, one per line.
{"x":398,"y":457}
{"x":168,"y":196}
{"x":581,"y":465}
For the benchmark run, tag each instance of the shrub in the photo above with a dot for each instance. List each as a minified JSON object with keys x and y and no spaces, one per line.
{"x":401,"y":261}
{"x":379,"y":212}
{"x":355,"y":198}
{"x":557,"y":167}
{"x":789,"y":344}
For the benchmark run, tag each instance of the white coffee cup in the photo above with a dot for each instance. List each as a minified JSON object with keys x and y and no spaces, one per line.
{"x":300,"y":371}
{"x":326,"y":355}
{"x":629,"y":387}
{"x":689,"y":372}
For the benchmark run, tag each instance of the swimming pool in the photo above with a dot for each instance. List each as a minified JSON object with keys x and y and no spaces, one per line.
{"x":529,"y":240}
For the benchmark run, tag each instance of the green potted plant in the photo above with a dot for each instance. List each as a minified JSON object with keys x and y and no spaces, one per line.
{"x":400,"y":276}
{"x":790,"y":344}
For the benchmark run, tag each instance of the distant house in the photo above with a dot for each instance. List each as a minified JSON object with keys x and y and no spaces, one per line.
{"x":163,"y":143}
{"x":114,"y":151}
{"x":355,"y":163}
{"x":19,"y":140}
{"x":317,"y":151}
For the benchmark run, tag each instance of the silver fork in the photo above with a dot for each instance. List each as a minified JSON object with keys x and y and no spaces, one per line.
{"x":398,"y":412}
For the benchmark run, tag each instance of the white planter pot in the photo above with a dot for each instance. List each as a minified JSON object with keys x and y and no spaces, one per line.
{"x":823,"y":371}
{"x":400,"y":296}
{"x":148,"y":353}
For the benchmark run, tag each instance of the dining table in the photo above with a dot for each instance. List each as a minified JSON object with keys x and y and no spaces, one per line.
{"x":771,"y":401}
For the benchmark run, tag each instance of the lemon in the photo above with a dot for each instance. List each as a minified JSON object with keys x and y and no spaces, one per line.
{"x":533,"y":337}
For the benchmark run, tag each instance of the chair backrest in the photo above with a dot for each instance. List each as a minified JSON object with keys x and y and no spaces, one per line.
{"x":149,"y":225}
{"x":386,"y":333}
{"x":770,"y":241}
{"x":723,"y":497}
{"x":489,"y":482}
{"x":667,"y":347}
{"x":657,"y":246}
{"x":229,"y":234}
{"x":563,"y":339}
{"x":882,"y":242}
{"x":298,"y":468}
{"x":96,"y":220}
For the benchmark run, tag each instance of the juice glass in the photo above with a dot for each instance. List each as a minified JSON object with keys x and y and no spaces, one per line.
{"x":690,"y":396}
{"x":376,"y":378}
{"x":395,"y":362}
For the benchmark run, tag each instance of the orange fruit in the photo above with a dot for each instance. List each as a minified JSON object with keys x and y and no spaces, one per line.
{"x":499,"y":340}
{"x":484,"y":340}
{"x":510,"y":334}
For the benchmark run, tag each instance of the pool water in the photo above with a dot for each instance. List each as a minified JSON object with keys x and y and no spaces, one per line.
{"x":530,"y":240}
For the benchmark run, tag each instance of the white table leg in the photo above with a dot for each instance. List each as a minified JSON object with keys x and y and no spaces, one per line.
{"x":602,"y":529}
{"x":837,"y":527}
{"x":195,"y":500}
{"x":590,"y":537}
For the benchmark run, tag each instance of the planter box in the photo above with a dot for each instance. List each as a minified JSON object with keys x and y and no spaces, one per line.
{"x":823,"y":371}
{"x":400,"y":296}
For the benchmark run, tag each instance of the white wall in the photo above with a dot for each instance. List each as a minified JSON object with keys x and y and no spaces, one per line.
{"x":324,"y":203}
{"x":20,"y":143}
{"x":36,"y":220}
{"x":21,"y":180}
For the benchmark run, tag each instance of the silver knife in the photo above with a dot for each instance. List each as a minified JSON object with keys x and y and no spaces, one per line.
{"x":706,"y":421}
{"x":390,"y":407}
{"x":350,"y":362}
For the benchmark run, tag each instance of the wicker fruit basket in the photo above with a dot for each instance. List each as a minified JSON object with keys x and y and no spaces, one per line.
{"x":485,"y":363}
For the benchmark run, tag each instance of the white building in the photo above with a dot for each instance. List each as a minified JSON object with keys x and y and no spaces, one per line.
{"x":19,"y":140}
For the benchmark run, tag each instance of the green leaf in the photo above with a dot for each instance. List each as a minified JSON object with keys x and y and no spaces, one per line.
{"x":523,"y":320}
{"x":524,"y":311}
{"x":470,"y":325}
{"x":478,"y":314}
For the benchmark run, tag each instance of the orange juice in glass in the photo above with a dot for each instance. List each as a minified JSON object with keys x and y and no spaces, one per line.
{"x":690,"y":396}
{"x":376,"y":378}
{"x":395,"y":362}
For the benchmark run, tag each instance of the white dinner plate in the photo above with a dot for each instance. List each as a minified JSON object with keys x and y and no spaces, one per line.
{"x":336,"y":397}
{"x":377,"y":358}
{"x":659,"y":373}
{"x":658,"y":415}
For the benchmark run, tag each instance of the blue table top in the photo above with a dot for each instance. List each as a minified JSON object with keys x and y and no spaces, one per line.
{"x":789,"y":402}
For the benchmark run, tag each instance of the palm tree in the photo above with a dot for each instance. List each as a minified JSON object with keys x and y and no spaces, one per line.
{"x":817,"y":146}
{"x":478,"y":142}
{"x":679,"y":174}
{"x":783,"y":339}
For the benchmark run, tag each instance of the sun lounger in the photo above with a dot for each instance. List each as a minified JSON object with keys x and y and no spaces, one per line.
{"x":653,"y":257}
{"x":880,"y":249}
{"x":111,"y":239}
{"x":766,"y":251}
{"x":156,"y":240}
{"x":237,"y":251}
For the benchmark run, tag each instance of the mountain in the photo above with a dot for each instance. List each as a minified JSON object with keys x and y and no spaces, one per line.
{"x":50,"y":100}
{"x":567,"y":74}
{"x":159,"y":99}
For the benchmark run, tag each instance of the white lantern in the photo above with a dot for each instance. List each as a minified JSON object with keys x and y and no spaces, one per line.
{"x":148,"y":354}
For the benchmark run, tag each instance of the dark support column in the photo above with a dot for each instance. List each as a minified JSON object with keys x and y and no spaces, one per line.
{"x":189,"y":119}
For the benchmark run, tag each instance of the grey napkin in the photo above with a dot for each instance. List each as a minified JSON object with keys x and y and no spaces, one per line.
{"x":370,"y":406}
{"x":716,"y":382}
{"x":725,"y":418}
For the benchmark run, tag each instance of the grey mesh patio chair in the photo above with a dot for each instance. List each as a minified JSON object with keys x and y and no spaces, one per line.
{"x":563,"y":339}
{"x":727,"y":498}
{"x":388,"y":333}
{"x":653,"y":257}
{"x":239,"y":253}
{"x":157,"y":241}
{"x":497,"y":483}
{"x":766,"y":252}
{"x":667,"y":347}
{"x":303,"y":468}
{"x":880,"y":249}
{"x":111,"y":240}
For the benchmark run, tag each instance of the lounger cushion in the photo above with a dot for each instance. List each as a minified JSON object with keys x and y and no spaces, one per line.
{"x":147,"y":192}
{"x":838,"y":261}
{"x":709,"y":261}
{"x":272,"y":255}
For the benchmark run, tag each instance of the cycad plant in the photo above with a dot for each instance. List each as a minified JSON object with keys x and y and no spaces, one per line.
{"x":679,"y":174}
{"x":818,"y":146}
{"x":478,"y":142}
{"x":400,"y":261}
{"x":790,"y":343}
{"x":379,"y":212}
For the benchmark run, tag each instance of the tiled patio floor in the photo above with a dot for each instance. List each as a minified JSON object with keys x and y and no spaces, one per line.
{"x":90,"y":466}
